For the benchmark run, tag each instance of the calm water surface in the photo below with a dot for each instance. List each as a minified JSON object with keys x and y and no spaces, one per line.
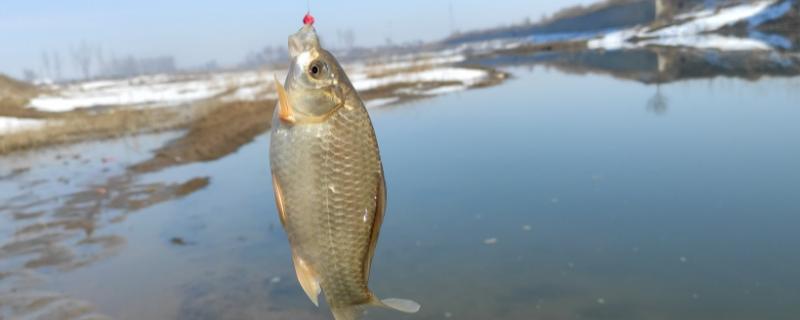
{"x":552,"y":196}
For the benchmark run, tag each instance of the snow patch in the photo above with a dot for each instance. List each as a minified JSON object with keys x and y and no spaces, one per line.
{"x":381,"y":102}
{"x":464,"y":75}
{"x":724,"y":17}
{"x":13,"y":125}
{"x":710,"y":41}
{"x":693,"y":32}
{"x":164,"y":90}
{"x":157,"y":90}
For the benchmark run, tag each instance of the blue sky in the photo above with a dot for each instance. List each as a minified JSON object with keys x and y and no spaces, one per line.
{"x":197,"y":31}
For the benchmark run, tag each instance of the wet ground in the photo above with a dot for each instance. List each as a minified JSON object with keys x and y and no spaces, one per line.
{"x":552,"y":196}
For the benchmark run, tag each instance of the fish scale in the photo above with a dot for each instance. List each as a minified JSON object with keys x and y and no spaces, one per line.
{"x":343,"y":156}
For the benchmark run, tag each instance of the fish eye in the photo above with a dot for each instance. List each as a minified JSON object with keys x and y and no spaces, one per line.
{"x":316,"y":69}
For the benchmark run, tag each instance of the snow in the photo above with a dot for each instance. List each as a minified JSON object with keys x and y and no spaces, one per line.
{"x":157,"y":90}
{"x":464,"y":75}
{"x":724,"y":17}
{"x":131,"y":95}
{"x":710,"y":41}
{"x":614,"y":41}
{"x":12,"y":125}
{"x":445,"y":90}
{"x":380,"y":102}
{"x":693,"y":31}
{"x":163,"y":90}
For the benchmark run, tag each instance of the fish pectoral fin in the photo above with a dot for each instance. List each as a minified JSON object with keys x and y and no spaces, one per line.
{"x":402,"y":305}
{"x":276,"y":187}
{"x":307,"y":278}
{"x":285,"y":112}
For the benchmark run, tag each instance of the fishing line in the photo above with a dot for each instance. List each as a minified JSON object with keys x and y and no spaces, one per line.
{"x":308,"y":19}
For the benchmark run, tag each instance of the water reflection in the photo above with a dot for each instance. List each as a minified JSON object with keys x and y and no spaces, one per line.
{"x":658,"y":103}
{"x":53,"y":222}
{"x":659,"y":65}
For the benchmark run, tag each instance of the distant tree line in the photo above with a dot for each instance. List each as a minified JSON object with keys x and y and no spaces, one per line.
{"x":90,"y":61}
{"x":265,"y":56}
{"x":268,"y":55}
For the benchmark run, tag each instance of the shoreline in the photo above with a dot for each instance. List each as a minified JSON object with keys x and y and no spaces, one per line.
{"x":251,"y":102}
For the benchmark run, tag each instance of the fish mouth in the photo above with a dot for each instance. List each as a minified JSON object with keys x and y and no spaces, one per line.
{"x":303,"y":40}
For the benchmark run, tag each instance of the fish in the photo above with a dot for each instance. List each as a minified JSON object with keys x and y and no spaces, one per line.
{"x":328,"y":180}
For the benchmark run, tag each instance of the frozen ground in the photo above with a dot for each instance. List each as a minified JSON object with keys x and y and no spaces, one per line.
{"x":692,"y":29}
{"x":178,"y":90}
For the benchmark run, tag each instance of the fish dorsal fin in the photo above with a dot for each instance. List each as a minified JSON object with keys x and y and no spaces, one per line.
{"x":380,"y":208}
{"x":307,"y":278}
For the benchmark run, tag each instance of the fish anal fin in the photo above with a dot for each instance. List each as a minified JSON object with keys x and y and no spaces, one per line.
{"x":307,"y":278}
{"x":380,"y":208}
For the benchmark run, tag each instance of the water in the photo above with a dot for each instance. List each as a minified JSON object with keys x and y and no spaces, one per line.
{"x":551,"y":196}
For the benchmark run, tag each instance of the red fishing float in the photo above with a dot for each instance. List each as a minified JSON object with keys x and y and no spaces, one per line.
{"x":308,"y":19}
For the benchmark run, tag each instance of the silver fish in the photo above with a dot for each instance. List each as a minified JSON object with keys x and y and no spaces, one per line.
{"x":328,"y":180}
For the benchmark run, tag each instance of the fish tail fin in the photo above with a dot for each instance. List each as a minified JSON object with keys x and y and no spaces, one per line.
{"x":402,"y":305}
{"x":346,"y":312}
{"x":353,"y":312}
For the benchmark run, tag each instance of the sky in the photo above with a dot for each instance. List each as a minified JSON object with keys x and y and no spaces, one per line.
{"x":199,"y":31}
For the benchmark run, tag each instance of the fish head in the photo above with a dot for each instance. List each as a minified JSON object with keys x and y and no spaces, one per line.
{"x":316,"y":84}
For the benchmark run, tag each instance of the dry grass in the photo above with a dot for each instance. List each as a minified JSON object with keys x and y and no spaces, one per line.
{"x":78,"y":126}
{"x":14,"y":96}
{"x":216,"y":131}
